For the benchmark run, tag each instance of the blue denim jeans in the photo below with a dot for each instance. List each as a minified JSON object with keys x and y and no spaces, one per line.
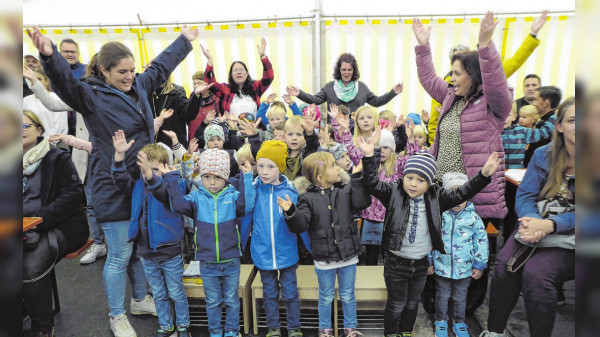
{"x":447,"y":288}
{"x":166,"y":279}
{"x":289,"y":292}
{"x":346,"y":278}
{"x":404,"y":280}
{"x":121,"y":261}
{"x":95,"y":227}
{"x":221,"y":283}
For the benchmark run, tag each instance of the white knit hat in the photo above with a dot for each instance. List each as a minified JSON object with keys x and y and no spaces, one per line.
{"x":387,"y":140}
{"x":451,"y":179}
{"x":215,"y":162}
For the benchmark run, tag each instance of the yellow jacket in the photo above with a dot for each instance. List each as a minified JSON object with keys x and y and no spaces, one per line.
{"x":510,"y":66}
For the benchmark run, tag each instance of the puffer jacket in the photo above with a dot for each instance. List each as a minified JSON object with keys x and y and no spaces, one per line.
{"x":328,"y":219}
{"x":481,"y":121}
{"x":273,"y":246}
{"x":465,"y":242}
{"x":396,"y":201}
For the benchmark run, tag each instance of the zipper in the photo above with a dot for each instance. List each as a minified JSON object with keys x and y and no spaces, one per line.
{"x":272,"y":229}
{"x":216,"y":227}
{"x":452,"y":248}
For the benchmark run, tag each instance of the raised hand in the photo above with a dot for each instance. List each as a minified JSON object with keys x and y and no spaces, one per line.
{"x":539,"y":23}
{"x":358,"y":168}
{"x":192,"y":146}
{"x":425,"y":116}
{"x":121,"y":145}
{"x":172,"y":135}
{"x":421,"y":33}
{"x":246,"y":167}
{"x":398,"y":88}
{"x":199,"y":90}
{"x":261,"y":47}
{"x":166,"y":113}
{"x":271,"y":98}
{"x":249,"y":128}
{"x":344,"y":122}
{"x":365,"y":146}
{"x":401,"y":120}
{"x":29,"y":74}
{"x":376,"y":137}
{"x":284,"y":204}
{"x":40,"y":41}
{"x":232,"y":120}
{"x":491,"y":165}
{"x":288,"y":99}
{"x":310,"y":121}
{"x":164,"y":168}
{"x":334,"y":111}
{"x":486,"y":30}
{"x":144,"y":165}
{"x":292,"y":90}
{"x":190,"y":34}
{"x":410,"y":127}
{"x":210,"y":116}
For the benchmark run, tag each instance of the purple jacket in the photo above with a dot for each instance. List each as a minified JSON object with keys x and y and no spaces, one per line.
{"x":481,"y":121}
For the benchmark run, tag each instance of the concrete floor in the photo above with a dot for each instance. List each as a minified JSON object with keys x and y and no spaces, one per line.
{"x":84,"y":310}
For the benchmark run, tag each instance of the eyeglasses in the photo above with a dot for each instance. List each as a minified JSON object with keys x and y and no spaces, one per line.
{"x":239,"y":71}
{"x":26,"y":126}
{"x":68,"y":51}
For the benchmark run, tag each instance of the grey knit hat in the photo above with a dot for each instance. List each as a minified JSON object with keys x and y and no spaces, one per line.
{"x":338,"y":150}
{"x":451,"y":179}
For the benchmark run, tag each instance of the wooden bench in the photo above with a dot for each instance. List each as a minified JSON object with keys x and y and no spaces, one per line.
{"x":369,"y":290}
{"x":194,"y":288}
{"x":308,"y":289}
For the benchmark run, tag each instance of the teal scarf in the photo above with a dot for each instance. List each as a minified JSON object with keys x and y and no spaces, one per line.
{"x":345,"y":93}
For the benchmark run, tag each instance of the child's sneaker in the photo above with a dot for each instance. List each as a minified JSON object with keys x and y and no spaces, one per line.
{"x":121,"y":327}
{"x":143,"y":307}
{"x":405,"y":334}
{"x":441,"y":328}
{"x":233,"y":334}
{"x":216,"y":334}
{"x":295,"y":333}
{"x":183,"y":332}
{"x":166,"y":333}
{"x":460,"y":330}
{"x":352,"y":332}
{"x":325,"y":332}
{"x":486,"y":333}
{"x":274,"y":333}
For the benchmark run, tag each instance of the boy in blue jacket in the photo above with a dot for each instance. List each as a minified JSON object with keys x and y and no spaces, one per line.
{"x":215,"y":208}
{"x":156,"y":230}
{"x":467,"y":249}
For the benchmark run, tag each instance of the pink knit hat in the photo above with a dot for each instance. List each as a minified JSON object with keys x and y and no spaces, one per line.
{"x":215,"y":162}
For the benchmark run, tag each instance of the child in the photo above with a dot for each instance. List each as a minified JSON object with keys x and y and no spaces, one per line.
{"x":528,"y":116}
{"x":387,"y":120}
{"x":366,"y":122}
{"x":215,"y":207}
{"x":276,"y":114}
{"x":413,"y":228}
{"x":279,"y":131}
{"x":273,"y":247}
{"x":340,"y":155}
{"x":325,"y":211}
{"x":390,"y":170}
{"x":269,"y":103}
{"x":421,"y":136}
{"x":326,"y":136}
{"x":516,"y":138}
{"x":157,"y":232}
{"x":204,"y":103}
{"x":466,"y":245}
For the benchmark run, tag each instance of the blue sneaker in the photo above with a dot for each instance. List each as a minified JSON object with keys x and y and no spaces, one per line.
{"x":460,"y":330}
{"x":441,"y":328}
{"x":232,"y":334}
{"x":216,"y":334}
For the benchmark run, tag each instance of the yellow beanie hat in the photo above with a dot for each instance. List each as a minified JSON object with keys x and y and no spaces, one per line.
{"x":274,"y":150}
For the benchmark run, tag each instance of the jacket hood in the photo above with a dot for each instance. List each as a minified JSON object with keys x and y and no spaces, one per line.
{"x":303,"y":185}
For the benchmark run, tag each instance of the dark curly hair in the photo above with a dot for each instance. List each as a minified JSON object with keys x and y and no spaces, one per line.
{"x":247,"y":88}
{"x":470,"y":63}
{"x":346,"y":58}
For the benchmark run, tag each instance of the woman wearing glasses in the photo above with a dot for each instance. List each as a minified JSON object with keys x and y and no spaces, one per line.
{"x":240,"y":94}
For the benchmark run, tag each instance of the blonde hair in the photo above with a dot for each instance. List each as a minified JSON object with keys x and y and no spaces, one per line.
{"x":389,"y":165}
{"x":315,"y":165}
{"x":34,"y":119}
{"x":156,"y":152}
{"x":244,"y":153}
{"x":558,"y":160}
{"x":388,"y":115}
{"x":419,"y":130}
{"x":276,"y":109}
{"x":530,"y":111}
{"x":365,"y":109}
{"x":279,"y":126}
{"x":294,"y":121}
{"x":199,"y":75}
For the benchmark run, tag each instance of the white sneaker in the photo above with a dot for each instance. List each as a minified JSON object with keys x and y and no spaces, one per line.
{"x":143,"y":307}
{"x":120,"y":326}
{"x":486,"y":333}
{"x":95,"y":251}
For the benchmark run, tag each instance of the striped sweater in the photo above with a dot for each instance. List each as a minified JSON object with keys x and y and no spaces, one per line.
{"x":516,"y":138}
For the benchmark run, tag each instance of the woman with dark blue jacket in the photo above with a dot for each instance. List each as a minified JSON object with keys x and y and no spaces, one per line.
{"x":118,"y":99}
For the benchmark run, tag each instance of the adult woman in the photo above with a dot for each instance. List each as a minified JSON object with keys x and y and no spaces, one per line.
{"x":550,"y":178}
{"x":346,"y":89}
{"x":240,"y":94}
{"x":54,"y":122}
{"x":51,"y":190}
{"x":118,"y":99}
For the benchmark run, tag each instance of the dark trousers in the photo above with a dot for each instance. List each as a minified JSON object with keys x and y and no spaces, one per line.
{"x":404,"y":280}
{"x":457,"y":290}
{"x":372,"y":255}
{"x":538,"y":279}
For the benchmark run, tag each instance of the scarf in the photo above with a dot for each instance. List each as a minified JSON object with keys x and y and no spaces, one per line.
{"x":292,"y":167}
{"x":345,"y":93}
{"x":33,"y":157}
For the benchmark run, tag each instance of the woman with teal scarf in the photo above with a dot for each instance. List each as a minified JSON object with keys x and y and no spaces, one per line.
{"x":345,"y":89}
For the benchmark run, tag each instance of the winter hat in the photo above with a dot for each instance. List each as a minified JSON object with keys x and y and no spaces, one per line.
{"x":274,"y":150}
{"x":451,"y":179}
{"x":213,"y":130}
{"x":215,"y":162}
{"x":338,"y":150}
{"x":305,"y":106}
{"x":415,"y":118}
{"x":387,"y":140}
{"x":423,"y":164}
{"x":169,"y":152}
